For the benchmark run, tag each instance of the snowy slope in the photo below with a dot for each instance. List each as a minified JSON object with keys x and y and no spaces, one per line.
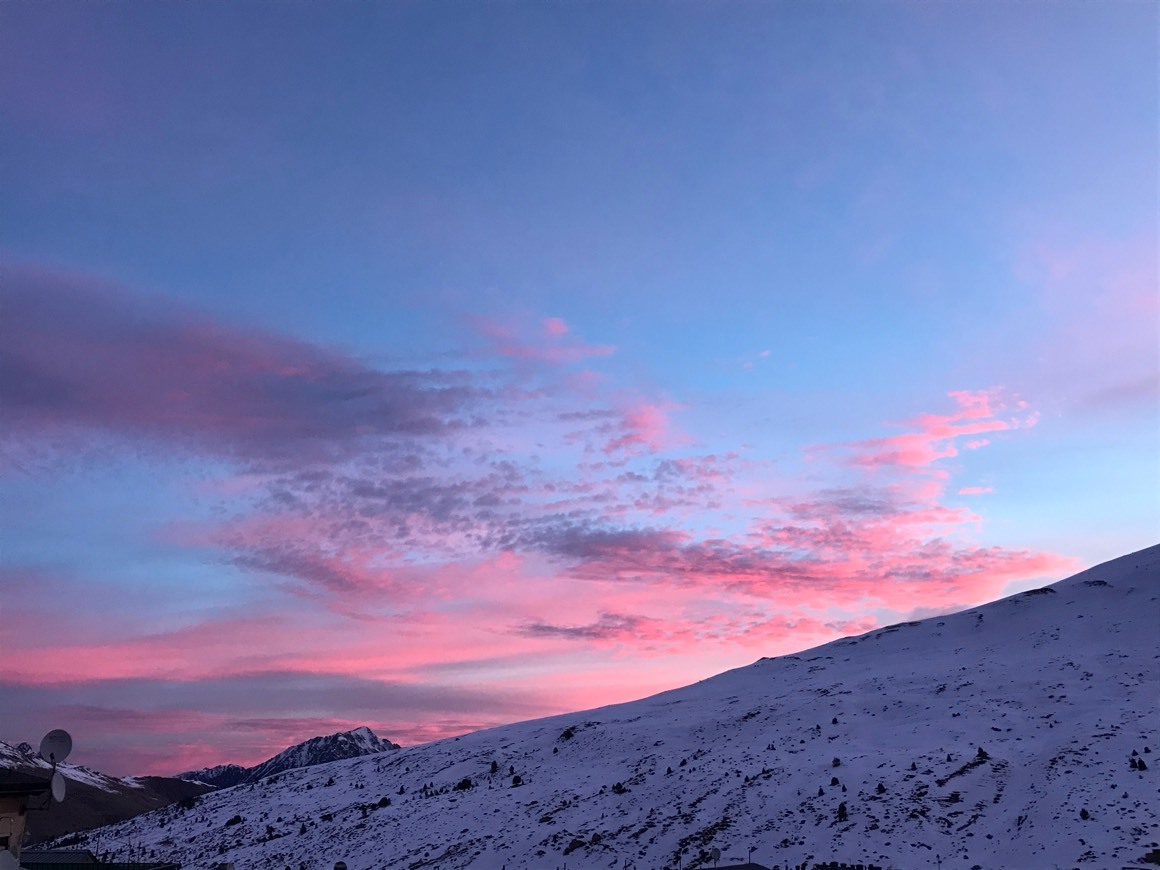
{"x":316,"y":750}
{"x":1057,"y":687}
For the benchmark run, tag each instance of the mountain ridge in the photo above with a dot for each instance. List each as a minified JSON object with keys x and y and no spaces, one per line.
{"x":93,"y":799}
{"x":316,"y":750}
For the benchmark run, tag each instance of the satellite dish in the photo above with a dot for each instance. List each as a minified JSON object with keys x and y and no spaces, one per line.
{"x":58,"y":786}
{"x":715,"y":854}
{"x":56,"y":746}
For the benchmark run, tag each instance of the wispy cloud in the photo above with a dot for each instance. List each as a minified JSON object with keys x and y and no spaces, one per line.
{"x":550,"y":341}
{"x":936,"y":435}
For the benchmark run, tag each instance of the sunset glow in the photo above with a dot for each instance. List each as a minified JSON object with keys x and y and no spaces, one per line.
{"x":430,"y":367}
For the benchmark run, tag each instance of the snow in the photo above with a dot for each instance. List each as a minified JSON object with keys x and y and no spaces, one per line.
{"x":1057,"y":687}
{"x":24,"y":757}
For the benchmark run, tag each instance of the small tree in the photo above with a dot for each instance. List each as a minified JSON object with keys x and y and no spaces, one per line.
{"x":494,"y":767}
{"x":842,"y":813}
{"x":837,"y":762}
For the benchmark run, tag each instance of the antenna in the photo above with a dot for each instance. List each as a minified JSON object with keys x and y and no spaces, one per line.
{"x":56,"y":746}
{"x":58,"y":786}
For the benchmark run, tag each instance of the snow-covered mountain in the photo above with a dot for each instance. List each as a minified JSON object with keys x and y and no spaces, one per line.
{"x":1019,"y":734}
{"x":93,"y":799}
{"x":316,"y":750}
{"x":22,"y":756}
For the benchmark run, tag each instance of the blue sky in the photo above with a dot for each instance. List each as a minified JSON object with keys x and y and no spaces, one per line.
{"x":490,"y":348}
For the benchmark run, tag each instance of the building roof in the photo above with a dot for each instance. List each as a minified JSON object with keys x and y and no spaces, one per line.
{"x":82,"y":859}
{"x":57,"y":856}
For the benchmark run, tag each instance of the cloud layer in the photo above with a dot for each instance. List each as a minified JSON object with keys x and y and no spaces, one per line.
{"x":435,"y":550}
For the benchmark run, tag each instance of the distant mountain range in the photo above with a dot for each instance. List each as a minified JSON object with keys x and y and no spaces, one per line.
{"x":316,"y":750}
{"x":1018,"y":734}
{"x":93,"y":799}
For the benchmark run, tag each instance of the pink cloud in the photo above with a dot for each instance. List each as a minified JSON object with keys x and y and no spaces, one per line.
{"x":937,"y":433}
{"x":555,"y":327}
{"x":644,"y":428}
{"x":976,"y":490}
{"x":549,"y":344}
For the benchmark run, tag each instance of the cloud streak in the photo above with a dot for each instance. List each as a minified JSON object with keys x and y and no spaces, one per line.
{"x":80,"y":355}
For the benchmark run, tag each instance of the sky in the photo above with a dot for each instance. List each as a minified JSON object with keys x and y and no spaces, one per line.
{"x":432,"y":366}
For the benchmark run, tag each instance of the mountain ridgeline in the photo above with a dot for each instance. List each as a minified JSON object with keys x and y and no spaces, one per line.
{"x":316,"y":750}
{"x":1021,"y":734}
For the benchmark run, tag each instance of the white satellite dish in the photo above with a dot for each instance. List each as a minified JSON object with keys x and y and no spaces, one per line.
{"x":715,"y":855}
{"x":58,"y":786}
{"x":56,"y":746}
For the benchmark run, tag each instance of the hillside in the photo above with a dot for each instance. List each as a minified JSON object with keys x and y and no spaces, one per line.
{"x":1008,"y":735}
